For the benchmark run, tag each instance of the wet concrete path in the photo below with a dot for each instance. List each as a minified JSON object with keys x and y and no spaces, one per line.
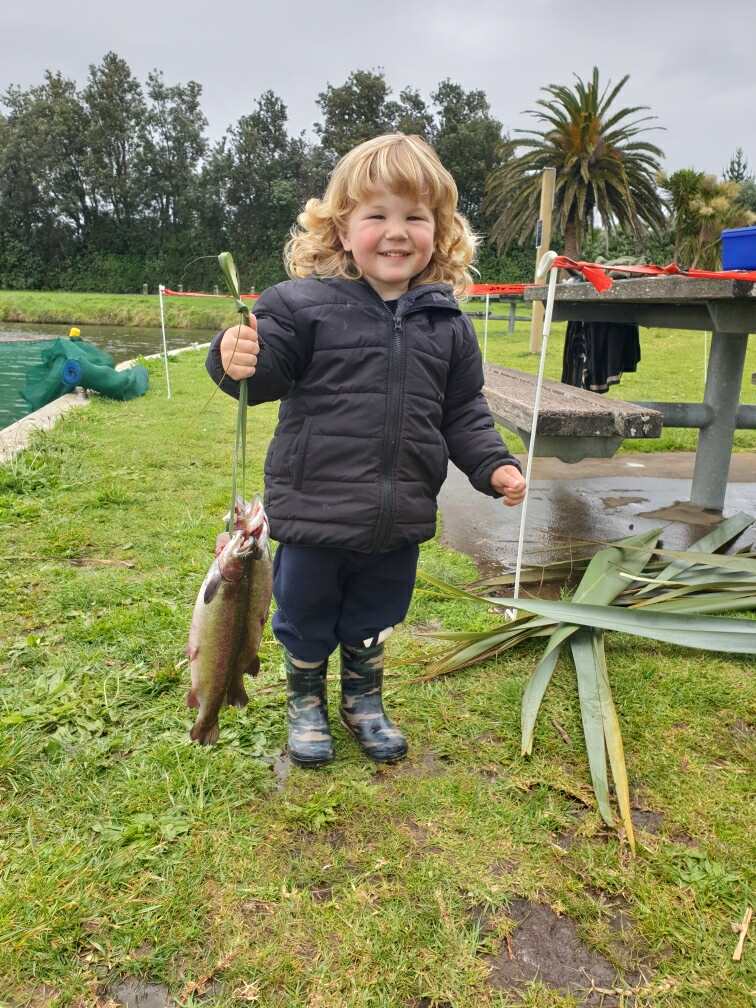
{"x":597,"y":499}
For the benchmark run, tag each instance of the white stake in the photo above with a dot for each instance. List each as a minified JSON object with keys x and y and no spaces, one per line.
{"x":161,"y":288}
{"x":545,"y":264}
{"x":485,"y":332}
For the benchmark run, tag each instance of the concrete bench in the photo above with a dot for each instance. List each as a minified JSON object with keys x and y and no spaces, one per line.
{"x":573,"y":424}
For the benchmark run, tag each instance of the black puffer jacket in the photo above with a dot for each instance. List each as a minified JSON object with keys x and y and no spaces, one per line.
{"x":372,"y":407}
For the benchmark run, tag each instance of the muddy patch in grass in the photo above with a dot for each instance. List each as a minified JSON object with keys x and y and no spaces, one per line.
{"x":615,"y":910}
{"x":482,"y":919}
{"x":546,"y":948}
{"x":489,"y":773}
{"x":420,"y":834}
{"x":624,"y":943}
{"x":567,"y":838}
{"x":256,"y":908}
{"x":132,"y":992}
{"x":41,"y":997}
{"x":646,"y":819}
{"x":143,"y":951}
{"x":425,"y":764}
{"x":336,"y":838}
{"x":281,"y":767}
{"x":489,"y":737}
{"x":503,"y":868}
{"x":321,"y":892}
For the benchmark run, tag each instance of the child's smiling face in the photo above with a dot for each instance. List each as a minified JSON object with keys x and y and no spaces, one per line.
{"x":391,"y":240}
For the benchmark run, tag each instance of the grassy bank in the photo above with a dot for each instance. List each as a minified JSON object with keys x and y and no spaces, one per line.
{"x":115,"y":309}
{"x":131,"y":856}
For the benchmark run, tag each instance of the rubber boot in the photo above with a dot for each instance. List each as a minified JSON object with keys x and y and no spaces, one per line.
{"x":362,"y":704}
{"x":310,"y":743}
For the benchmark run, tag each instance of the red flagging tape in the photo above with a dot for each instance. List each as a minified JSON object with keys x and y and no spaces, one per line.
{"x":497,"y":288}
{"x":598,"y":274}
{"x":173,"y":293}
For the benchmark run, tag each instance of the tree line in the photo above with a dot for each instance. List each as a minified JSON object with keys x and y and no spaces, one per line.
{"x":115,"y":184}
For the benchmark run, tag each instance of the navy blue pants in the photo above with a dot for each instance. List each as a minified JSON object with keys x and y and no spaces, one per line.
{"x":326,"y":597}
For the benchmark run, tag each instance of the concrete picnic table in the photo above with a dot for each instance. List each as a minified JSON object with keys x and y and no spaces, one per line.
{"x":727,"y":309}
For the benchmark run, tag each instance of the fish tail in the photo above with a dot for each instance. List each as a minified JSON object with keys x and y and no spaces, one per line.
{"x":204,"y":733}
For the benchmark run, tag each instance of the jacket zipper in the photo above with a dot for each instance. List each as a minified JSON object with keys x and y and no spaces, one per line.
{"x":393,"y":402}
{"x":397,"y":370}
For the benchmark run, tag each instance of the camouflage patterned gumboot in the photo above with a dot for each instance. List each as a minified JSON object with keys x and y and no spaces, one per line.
{"x":362,"y":704}
{"x":310,"y":743}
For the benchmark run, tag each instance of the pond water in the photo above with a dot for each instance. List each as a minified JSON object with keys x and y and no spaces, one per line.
{"x":22,"y":342}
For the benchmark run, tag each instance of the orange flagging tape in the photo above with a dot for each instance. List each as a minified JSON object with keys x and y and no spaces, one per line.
{"x":173,"y":293}
{"x":497,"y":288}
{"x":598,"y":274}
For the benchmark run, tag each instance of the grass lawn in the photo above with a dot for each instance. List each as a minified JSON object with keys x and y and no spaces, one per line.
{"x":131,"y":857}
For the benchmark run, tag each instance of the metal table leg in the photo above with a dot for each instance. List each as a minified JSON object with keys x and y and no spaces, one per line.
{"x":723,"y":381}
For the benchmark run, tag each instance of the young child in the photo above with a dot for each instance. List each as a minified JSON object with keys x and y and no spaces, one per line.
{"x":379,"y":376}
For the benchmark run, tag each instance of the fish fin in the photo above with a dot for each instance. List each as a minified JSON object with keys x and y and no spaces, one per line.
{"x":191,"y":699}
{"x":212,"y":587}
{"x":205,"y":734}
{"x":236,"y":695}
{"x":221,"y":542}
{"x":253,"y":667}
{"x":191,"y":651}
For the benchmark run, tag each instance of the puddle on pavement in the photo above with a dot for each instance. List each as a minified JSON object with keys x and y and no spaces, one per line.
{"x":618,"y":502}
{"x":546,"y":947}
{"x":684,"y":511}
{"x":564,"y":510}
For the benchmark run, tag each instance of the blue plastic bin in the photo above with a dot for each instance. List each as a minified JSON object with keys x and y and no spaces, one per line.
{"x":739,"y":248}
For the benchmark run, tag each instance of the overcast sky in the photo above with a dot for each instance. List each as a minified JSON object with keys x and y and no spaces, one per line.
{"x":692,"y":62}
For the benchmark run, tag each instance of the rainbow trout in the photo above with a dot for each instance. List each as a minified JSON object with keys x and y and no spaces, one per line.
{"x":229,"y":618}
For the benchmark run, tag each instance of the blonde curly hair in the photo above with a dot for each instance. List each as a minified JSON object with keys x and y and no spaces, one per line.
{"x":405,"y":165}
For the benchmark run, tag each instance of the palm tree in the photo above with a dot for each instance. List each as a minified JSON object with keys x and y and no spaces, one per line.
{"x":600,"y":165}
